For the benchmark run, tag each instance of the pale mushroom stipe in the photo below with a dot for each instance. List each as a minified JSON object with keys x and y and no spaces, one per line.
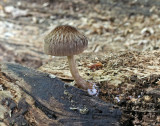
{"x":67,"y":41}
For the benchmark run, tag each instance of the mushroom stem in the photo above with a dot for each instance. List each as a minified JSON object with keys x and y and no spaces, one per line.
{"x":74,"y":71}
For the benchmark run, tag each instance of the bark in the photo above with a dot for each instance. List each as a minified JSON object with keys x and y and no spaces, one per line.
{"x":53,"y":102}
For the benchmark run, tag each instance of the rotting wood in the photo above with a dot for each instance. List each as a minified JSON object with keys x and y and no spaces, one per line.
{"x":60,"y":103}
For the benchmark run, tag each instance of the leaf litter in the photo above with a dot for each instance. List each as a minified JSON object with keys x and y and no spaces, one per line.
{"x":122,"y":57}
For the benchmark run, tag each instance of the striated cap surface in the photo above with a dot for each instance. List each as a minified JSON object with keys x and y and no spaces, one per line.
{"x":65,"y":41}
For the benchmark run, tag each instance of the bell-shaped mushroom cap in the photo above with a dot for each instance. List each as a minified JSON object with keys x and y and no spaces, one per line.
{"x":65,"y":41}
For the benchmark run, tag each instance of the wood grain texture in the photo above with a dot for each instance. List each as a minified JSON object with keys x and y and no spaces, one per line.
{"x":61,"y":103}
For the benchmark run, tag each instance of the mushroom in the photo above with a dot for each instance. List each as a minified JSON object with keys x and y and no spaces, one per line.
{"x":67,"y":41}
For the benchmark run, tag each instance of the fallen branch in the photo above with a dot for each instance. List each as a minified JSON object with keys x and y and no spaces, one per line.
{"x":60,"y":103}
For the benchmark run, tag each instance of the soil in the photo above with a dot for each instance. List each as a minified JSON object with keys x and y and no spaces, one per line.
{"x":122,"y":56}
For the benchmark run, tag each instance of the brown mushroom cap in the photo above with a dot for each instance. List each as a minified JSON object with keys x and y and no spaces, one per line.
{"x":65,"y":41}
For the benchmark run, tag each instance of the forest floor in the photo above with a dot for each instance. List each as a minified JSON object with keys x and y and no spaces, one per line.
{"x":122,"y":56}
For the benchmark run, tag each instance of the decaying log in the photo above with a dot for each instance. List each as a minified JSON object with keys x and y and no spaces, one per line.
{"x":54,"y":102}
